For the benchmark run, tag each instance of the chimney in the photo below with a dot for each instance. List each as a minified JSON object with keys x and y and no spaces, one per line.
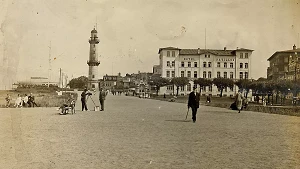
{"x":294,"y":47}
{"x":198,"y":51}
{"x":237,"y":48}
{"x":225,"y":48}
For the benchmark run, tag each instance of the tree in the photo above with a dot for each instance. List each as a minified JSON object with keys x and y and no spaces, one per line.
{"x":244,"y":84}
{"x":179,"y":82}
{"x":222,"y":83}
{"x":158,"y":82}
{"x":202,"y":82}
{"x":78,"y":83}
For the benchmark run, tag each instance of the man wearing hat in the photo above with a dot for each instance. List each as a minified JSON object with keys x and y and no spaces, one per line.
{"x":102,"y":96}
{"x":83,"y":99}
{"x":193,"y":102}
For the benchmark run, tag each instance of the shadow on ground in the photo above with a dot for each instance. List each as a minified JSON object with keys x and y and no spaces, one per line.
{"x":179,"y":120}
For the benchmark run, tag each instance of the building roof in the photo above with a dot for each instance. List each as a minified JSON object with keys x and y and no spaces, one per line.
{"x":203,"y":51}
{"x":285,"y":52}
{"x":170,"y":48}
{"x":218,"y":52}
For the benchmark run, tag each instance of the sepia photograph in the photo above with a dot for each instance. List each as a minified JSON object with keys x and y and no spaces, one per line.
{"x":149,"y":84}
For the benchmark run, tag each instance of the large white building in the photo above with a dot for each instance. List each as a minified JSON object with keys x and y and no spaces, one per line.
{"x":203,"y":63}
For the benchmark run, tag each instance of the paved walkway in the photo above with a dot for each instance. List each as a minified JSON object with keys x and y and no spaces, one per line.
{"x":141,"y":133}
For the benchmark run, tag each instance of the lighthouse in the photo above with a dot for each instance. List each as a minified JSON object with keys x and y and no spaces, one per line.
{"x":93,"y":61}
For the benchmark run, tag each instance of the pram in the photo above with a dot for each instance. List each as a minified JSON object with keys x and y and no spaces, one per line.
{"x":65,"y":108}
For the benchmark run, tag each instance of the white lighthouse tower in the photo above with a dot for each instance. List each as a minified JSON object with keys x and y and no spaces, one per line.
{"x":93,"y":61}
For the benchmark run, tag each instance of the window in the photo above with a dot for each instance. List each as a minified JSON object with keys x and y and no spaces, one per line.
{"x":209,"y":64}
{"x":93,"y":85}
{"x":246,"y":55}
{"x":210,"y":88}
{"x":195,"y":86}
{"x":241,"y":75}
{"x":189,"y":64}
{"x":173,"y":73}
{"x":188,"y":73}
{"x":225,"y":89}
{"x":182,"y":64}
{"x":189,"y":87}
{"x":168,"y":53}
{"x":195,"y":74}
{"x":204,"y":64}
{"x":181,"y":88}
{"x":173,"y":53}
{"x":241,"y":65}
{"x":231,"y":65}
{"x":168,"y":63}
{"x":231,"y":89}
{"x":218,"y":64}
{"x":241,"y":55}
{"x":225,"y":74}
{"x":246,"y":65}
{"x":208,"y":56}
{"x":218,"y":74}
{"x":205,"y":56}
{"x":182,"y":73}
{"x":225,"y":65}
{"x":204,"y":89}
{"x":204,"y":74}
{"x":209,"y":74}
{"x":173,"y":63}
{"x":93,"y":76}
{"x":168,"y":73}
{"x":195,"y":64}
{"x":246,"y":75}
{"x":231,"y":75}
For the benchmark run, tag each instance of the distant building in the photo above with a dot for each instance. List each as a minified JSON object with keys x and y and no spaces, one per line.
{"x":109,"y":81}
{"x":157,"y":70}
{"x":281,"y":65}
{"x":203,"y":63}
{"x":35,"y":81}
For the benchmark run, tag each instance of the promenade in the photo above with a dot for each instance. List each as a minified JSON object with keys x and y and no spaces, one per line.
{"x":139,"y":133}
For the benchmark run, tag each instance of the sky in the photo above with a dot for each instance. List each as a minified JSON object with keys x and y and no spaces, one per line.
{"x":132,"y":31}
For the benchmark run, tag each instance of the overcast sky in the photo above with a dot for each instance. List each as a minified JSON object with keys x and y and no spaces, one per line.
{"x":131,"y":31}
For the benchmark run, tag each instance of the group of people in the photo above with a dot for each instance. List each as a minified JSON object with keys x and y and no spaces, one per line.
{"x":116,"y":92}
{"x":85,"y":95}
{"x":194,"y":97}
{"x":25,"y":101}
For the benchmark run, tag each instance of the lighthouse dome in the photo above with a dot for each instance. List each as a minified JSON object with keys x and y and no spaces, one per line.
{"x":94,"y":31}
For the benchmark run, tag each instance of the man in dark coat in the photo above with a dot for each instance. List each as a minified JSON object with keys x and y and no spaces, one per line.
{"x":193,"y":103}
{"x":102,"y":96}
{"x":84,"y":99}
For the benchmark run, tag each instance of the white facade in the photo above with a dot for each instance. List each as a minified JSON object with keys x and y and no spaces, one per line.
{"x":204,"y":63}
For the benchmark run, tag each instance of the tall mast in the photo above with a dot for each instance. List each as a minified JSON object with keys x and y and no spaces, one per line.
{"x":49,"y":70}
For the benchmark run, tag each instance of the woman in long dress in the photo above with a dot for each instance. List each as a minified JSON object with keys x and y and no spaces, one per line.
{"x":239,"y":101}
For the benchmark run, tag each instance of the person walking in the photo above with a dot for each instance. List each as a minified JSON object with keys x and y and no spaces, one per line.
{"x":239,"y":101}
{"x":84,"y":99}
{"x":8,"y":99}
{"x":102,"y":96}
{"x":193,"y":103}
